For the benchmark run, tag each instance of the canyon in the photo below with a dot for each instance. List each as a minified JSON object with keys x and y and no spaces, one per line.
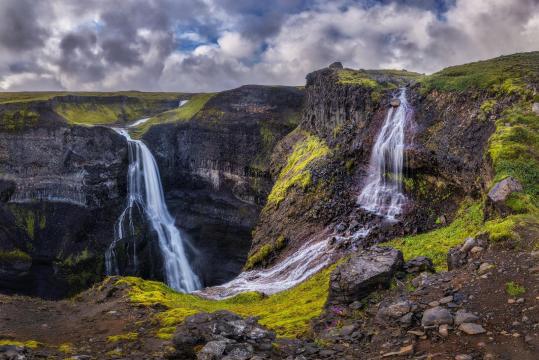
{"x":314,"y":209}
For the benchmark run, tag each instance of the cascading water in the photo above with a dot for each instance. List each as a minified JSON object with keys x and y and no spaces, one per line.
{"x":146,"y":192}
{"x":382,"y":194}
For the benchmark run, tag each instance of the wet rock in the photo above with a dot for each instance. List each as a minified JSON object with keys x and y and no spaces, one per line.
{"x":464,"y":317}
{"x":363,"y":273}
{"x":9,"y":352}
{"x":471,"y":328}
{"x":340,"y":228}
{"x":395,"y":102}
{"x":436,"y":316}
{"x":418,"y":265}
{"x":221,"y":333}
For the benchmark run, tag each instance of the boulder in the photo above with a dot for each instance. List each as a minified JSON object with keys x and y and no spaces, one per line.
{"x":364,"y":272}
{"x":395,"y":102}
{"x":535,"y":108}
{"x":418,"y":265}
{"x":497,"y":196}
{"x":464,"y":317}
{"x":471,"y":329}
{"x":221,"y":335}
{"x":436,"y":316}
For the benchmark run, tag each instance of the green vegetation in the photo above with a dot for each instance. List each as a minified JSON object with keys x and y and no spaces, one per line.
{"x":514,"y":150}
{"x":435,"y":244}
{"x":264,"y":252}
{"x":66,"y":348}
{"x":16,"y":97}
{"x":184,"y":113}
{"x":31,"y":344}
{"x":296,"y":171}
{"x":14,"y":256}
{"x":503,"y":75}
{"x":376,"y":79}
{"x":131,"y":336}
{"x":18,"y":120}
{"x":288,"y":313}
{"x":514,"y":289}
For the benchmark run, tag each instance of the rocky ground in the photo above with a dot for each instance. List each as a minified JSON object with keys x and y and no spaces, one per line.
{"x":485,"y":308}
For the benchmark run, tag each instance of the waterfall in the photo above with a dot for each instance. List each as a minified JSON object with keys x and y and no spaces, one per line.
{"x":146,"y":192}
{"x":382,"y":193}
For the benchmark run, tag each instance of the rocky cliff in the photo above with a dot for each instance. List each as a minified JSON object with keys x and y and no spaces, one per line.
{"x":215,"y":170}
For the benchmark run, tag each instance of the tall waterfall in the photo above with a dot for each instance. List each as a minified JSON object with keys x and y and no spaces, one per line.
{"x":382,"y":194}
{"x":145,"y":191}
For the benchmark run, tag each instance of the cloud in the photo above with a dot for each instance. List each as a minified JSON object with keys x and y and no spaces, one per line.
{"x":206,"y":45}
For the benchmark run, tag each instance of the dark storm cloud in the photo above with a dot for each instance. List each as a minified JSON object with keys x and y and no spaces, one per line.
{"x":197,"y":45}
{"x":19,"y":26}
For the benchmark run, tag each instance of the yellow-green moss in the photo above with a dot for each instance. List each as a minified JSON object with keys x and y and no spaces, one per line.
{"x":296,"y":171}
{"x":13,"y":256}
{"x":353,"y":77}
{"x":131,"y":336}
{"x":184,"y":113}
{"x":514,"y":289}
{"x":66,"y":348}
{"x":435,"y":244}
{"x":264,"y":252}
{"x":31,"y":344}
{"x":288,"y":313}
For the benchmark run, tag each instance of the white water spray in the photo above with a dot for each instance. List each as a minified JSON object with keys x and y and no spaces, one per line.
{"x":145,"y":191}
{"x":382,"y":194}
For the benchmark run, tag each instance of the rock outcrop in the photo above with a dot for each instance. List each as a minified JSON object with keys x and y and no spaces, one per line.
{"x":364,"y":272}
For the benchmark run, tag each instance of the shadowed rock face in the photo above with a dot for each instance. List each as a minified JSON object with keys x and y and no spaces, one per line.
{"x":215,"y":171}
{"x":61,"y":188}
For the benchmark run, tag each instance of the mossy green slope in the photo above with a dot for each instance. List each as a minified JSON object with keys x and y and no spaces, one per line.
{"x":288,"y":313}
{"x":296,"y":171}
{"x":184,"y":113}
{"x":503,"y":75}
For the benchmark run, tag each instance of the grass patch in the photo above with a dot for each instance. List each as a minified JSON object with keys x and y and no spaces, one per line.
{"x":376,"y":79}
{"x":31,"y":344}
{"x":513,"y":289}
{"x":503,"y":75}
{"x":296,"y":172}
{"x":288,"y":313}
{"x":131,"y":336}
{"x":14,"y":256}
{"x":436,"y":244}
{"x":184,"y":113}
{"x":30,"y":96}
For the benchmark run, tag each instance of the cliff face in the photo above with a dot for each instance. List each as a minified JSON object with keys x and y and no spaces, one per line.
{"x":345,"y":109}
{"x":61,"y":192}
{"x":215,"y":170}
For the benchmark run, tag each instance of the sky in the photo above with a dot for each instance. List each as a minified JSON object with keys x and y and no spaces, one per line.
{"x":212,"y":45}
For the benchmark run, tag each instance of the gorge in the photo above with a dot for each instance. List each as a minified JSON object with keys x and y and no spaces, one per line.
{"x":324,"y":221}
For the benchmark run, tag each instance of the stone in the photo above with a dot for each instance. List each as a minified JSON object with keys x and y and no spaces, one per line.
{"x":456,"y":258}
{"x":436,"y":316}
{"x":221,"y":334}
{"x":212,"y":350}
{"x":535,"y":107}
{"x":364,"y":272}
{"x":498,"y":195}
{"x":403,"y":351}
{"x":395,"y":102}
{"x":476,"y":250}
{"x":468,"y":244}
{"x":446,"y":300}
{"x":484,"y":268}
{"x":464,"y":317}
{"x":347,"y":330}
{"x":337,"y":65}
{"x":463,"y":357}
{"x":418,"y":265}
{"x":443,"y":330}
{"x":471,"y":328}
